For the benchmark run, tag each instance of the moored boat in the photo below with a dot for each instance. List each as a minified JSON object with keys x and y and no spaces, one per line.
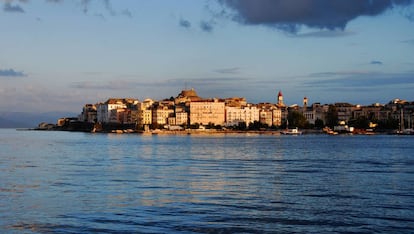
{"x":292,"y":131}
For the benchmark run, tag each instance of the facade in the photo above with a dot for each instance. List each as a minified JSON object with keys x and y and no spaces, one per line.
{"x":144,"y":117}
{"x":266,"y":117}
{"x":270,"y":114}
{"x":144,"y":112}
{"x":277,"y":117}
{"x":89,"y":113}
{"x":246,"y":114}
{"x":181,"y":118}
{"x":372,"y":112}
{"x":345,"y":111}
{"x":105,"y":110}
{"x":207,"y":112}
{"x":315,"y":112}
{"x":160,"y":115}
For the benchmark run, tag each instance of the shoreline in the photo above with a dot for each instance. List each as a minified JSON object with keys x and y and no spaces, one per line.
{"x":205,"y":132}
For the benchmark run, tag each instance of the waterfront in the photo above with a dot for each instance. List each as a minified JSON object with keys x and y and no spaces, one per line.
{"x":66,"y":182}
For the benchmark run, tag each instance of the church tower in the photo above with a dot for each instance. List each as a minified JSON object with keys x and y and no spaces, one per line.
{"x":305,"y":103}
{"x":280,"y":99}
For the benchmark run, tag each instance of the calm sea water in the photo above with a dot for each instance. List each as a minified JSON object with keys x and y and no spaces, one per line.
{"x":65,"y":182}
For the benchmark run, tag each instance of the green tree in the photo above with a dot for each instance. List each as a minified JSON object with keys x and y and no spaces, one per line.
{"x":296,"y":119}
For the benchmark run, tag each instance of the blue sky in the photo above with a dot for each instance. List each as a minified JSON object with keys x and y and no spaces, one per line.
{"x":57,"y":55}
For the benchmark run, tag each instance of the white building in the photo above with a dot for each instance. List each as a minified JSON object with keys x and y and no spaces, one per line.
{"x":106,"y":110}
{"x":246,"y":114}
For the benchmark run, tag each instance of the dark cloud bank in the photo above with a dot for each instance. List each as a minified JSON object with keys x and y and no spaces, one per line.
{"x":11,"y":73}
{"x":289,"y":15}
{"x":8,"y":6}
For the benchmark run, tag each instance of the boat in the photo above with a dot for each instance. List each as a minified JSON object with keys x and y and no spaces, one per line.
{"x":329,"y":131}
{"x":343,"y":128}
{"x":402,"y":130}
{"x":291,"y":131}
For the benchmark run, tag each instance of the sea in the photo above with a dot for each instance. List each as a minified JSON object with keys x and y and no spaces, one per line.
{"x":69,"y":182}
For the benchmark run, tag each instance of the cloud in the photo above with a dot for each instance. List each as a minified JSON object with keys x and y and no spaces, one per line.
{"x":326,"y":34}
{"x":132,"y":84}
{"x":232,"y":70}
{"x":292,"y":14}
{"x":8,"y":7}
{"x":206,"y":26}
{"x":107,"y":5}
{"x":11,"y":73}
{"x":127,"y":13}
{"x":409,"y":41}
{"x":109,"y":8}
{"x":184,"y":23}
{"x":84,"y":4}
{"x":110,"y":85}
{"x":376,"y":62}
{"x":360,"y":79}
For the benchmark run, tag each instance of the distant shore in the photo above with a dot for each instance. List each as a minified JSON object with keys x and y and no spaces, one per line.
{"x":202,"y":132}
{"x":77,"y":126}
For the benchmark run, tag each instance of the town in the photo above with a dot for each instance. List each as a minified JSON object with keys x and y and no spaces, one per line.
{"x":188,"y":111}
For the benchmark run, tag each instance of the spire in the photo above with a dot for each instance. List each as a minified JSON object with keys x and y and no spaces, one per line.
{"x":280,"y":94}
{"x":280,"y":99}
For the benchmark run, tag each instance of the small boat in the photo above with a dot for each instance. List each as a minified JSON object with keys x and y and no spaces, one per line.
{"x":409,"y":131}
{"x":292,"y":131}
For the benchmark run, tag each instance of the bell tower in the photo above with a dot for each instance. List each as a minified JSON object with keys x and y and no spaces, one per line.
{"x":280,"y":99}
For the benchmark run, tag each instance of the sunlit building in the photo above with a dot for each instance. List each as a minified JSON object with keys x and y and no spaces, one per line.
{"x":206,"y":112}
{"x":161,"y":113}
{"x":105,"y":110}
{"x":245,"y":114}
{"x":270,"y":114}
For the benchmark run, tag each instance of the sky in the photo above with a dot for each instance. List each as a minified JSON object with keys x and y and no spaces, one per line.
{"x":57,"y":55}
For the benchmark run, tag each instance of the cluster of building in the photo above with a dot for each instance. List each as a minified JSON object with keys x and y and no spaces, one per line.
{"x":189,"y":109}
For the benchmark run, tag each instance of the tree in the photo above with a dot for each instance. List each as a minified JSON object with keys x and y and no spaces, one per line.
{"x":390,"y":123}
{"x":155,"y":126}
{"x":319,"y":124}
{"x":195,"y":126}
{"x":361,"y":122}
{"x":296,"y":119}
{"x":332,"y":116}
{"x":242,"y":126}
{"x":210,"y":125}
{"x":256,"y":125}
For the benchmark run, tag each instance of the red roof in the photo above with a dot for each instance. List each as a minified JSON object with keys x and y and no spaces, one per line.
{"x":280,"y":94}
